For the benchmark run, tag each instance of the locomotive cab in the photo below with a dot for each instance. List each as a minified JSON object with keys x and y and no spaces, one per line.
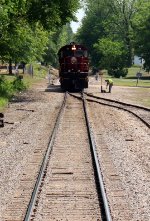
{"x":74,"y":66}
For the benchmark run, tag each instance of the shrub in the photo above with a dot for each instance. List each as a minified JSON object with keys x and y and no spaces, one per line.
{"x":6,"y":89}
{"x":9,"y":88}
{"x":18,"y":84}
{"x":117,"y":73}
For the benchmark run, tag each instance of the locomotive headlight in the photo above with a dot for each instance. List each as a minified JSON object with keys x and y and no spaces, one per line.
{"x":73,"y":60}
{"x":73,"y":47}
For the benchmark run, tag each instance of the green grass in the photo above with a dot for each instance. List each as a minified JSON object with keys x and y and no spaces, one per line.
{"x":9,"y":86}
{"x":3,"y":103}
{"x":9,"y":90}
{"x":137,"y":93}
{"x":131,"y":79}
{"x":131,"y":82}
{"x":132,"y":71}
{"x":39,"y":71}
{"x":146,"y":102}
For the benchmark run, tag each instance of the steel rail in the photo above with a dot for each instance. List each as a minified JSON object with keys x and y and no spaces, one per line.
{"x":44,"y":164}
{"x":107,"y":213}
{"x":118,"y":102}
{"x":122,"y":108}
{"x":118,"y":107}
{"x":91,"y":137}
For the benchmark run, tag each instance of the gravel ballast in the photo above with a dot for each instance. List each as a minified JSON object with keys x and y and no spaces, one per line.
{"x":28,"y":123}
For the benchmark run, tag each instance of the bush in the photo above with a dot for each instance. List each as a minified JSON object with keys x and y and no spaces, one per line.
{"x":18,"y":84}
{"x":117,"y":73}
{"x":6,"y":89}
{"x":9,"y":88}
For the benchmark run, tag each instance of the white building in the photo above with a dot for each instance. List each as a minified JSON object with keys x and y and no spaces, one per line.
{"x":138,"y":61}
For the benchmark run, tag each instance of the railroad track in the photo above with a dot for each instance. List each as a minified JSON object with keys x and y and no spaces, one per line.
{"x":70,"y":185}
{"x":66,"y":187}
{"x":142,"y":113}
{"x":115,"y":186}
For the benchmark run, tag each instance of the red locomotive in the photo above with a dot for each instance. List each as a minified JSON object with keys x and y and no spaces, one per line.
{"x":74,"y":66}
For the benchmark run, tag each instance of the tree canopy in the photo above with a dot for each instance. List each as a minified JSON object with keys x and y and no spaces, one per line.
{"x":26,"y":27}
{"x":141,"y":23}
{"x":114,"y":31}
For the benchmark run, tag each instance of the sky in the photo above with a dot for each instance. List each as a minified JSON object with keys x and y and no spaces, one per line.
{"x":76,"y":25}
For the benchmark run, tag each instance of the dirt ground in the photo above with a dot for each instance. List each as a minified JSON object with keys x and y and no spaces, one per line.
{"x":135,"y":95}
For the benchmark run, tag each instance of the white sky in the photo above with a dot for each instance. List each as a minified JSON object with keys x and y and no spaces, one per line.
{"x":75,"y":25}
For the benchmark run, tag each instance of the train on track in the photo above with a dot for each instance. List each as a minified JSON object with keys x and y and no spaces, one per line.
{"x":73,"y":66}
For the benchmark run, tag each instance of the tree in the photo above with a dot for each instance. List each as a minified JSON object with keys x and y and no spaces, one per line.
{"x":25,"y":25}
{"x":52,"y":14}
{"x":113,"y":56}
{"x":120,"y":24}
{"x":92,"y":28}
{"x":57,"y":39}
{"x":111,"y":19}
{"x":141,"y":23}
{"x":23,"y":44}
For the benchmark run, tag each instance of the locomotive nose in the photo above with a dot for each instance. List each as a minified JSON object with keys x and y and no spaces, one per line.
{"x":73,"y":60}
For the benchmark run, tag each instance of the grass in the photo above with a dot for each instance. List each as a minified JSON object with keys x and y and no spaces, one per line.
{"x":11,"y":86}
{"x":137,"y":91}
{"x":38,"y":70}
{"x":146,"y":102}
{"x":131,"y":80}
{"x":3,"y":103}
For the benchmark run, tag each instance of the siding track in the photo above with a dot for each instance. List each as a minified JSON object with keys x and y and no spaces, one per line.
{"x":140,"y":112}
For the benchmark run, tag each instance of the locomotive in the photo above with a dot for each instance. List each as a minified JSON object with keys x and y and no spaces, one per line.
{"x":73,"y":66}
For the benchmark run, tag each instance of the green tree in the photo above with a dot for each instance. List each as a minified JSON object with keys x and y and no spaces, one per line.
{"x":120,"y":24}
{"x":52,"y":14}
{"x":23,"y":44}
{"x":57,"y":39}
{"x":24,"y":26}
{"x":92,"y":28}
{"x":113,"y":56}
{"x":109,"y":19}
{"x":141,"y":23}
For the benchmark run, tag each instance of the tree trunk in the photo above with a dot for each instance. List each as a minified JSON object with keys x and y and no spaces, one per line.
{"x":10,"y":66}
{"x":130,"y":51}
